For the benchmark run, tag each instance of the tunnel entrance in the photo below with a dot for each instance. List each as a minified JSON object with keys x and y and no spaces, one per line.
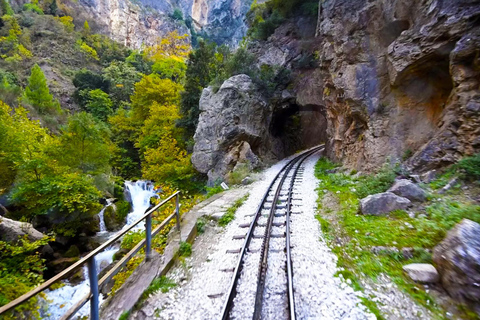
{"x":298,"y":127}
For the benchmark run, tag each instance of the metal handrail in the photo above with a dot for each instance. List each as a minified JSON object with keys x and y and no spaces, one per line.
{"x":90,"y":260}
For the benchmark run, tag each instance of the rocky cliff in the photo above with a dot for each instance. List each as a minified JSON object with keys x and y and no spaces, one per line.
{"x":134,"y":23}
{"x":400,"y":77}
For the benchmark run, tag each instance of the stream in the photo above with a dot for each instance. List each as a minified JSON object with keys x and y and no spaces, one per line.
{"x":60,"y":300}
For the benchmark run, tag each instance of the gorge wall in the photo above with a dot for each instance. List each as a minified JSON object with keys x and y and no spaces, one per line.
{"x":387,"y":81}
{"x":134,"y":23}
{"x":400,"y":77}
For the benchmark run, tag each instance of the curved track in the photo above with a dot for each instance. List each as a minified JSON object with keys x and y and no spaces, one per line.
{"x":275,"y":208}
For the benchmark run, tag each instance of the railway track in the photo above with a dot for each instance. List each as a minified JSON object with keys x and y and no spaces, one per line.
{"x":264,"y":262}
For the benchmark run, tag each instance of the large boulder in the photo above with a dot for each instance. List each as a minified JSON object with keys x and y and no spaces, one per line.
{"x":232,"y":128}
{"x":421,"y":272}
{"x":112,"y":221}
{"x":12,"y":231}
{"x":407,"y":189}
{"x":457,"y":259}
{"x":383,"y":203}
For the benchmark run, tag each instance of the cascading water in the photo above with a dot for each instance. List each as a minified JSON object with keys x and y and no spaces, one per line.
{"x":60,"y":300}
{"x":103,"y":227}
{"x":140,"y":194}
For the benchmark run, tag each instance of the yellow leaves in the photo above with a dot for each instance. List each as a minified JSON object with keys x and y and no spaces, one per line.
{"x":153,"y":89}
{"x":24,"y":52}
{"x":172,"y":45}
{"x":89,"y":51}
{"x":67,"y":22}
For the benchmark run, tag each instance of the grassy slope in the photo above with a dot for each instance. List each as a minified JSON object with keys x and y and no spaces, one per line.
{"x":338,"y":215}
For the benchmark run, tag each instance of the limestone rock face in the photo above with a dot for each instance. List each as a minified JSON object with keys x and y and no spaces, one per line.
{"x":407,"y":189}
{"x":457,"y":259}
{"x":383,"y":203}
{"x":232,"y":128}
{"x":422,"y":272}
{"x":222,"y":20}
{"x":12,"y":231}
{"x":400,"y":76}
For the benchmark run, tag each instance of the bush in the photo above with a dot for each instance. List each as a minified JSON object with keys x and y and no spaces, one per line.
{"x":21,"y":269}
{"x":201,"y":223}
{"x":378,"y":183}
{"x":185,"y":249}
{"x":469,"y":167}
{"x":241,"y":171}
{"x":229,"y":216}
{"x":123,"y":209}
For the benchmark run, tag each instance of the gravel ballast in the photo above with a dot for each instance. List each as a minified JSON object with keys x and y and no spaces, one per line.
{"x":203,"y":281}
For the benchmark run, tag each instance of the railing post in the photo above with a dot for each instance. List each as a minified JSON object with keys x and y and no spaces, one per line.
{"x":92,"y":275}
{"x":177,"y":210}
{"x":148,"y":231}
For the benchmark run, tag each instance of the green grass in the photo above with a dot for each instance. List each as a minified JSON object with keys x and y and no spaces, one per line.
{"x":163,"y":284}
{"x":230,"y":214}
{"x":201,"y":223}
{"x":214,"y":190}
{"x":185,"y":249}
{"x":361,"y":233}
{"x":124,"y":315}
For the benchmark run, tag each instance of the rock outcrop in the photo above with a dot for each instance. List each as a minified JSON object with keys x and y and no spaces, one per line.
{"x":407,"y":189}
{"x":12,"y":231}
{"x":421,"y":272}
{"x":233,"y":128}
{"x":383,"y":203}
{"x":399,"y":76}
{"x":134,"y":23}
{"x":457,"y":259}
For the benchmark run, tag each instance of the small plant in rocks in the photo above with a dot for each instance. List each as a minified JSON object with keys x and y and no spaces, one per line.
{"x":185,"y":249}
{"x":230,"y":214}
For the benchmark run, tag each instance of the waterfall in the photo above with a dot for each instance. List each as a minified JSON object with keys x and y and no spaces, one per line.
{"x":140,"y":194}
{"x":60,"y":300}
{"x":103,"y":227}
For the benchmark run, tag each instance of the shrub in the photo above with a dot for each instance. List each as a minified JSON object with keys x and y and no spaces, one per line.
{"x":229,"y":216}
{"x":470,"y":167}
{"x":378,"y":183}
{"x":185,"y":249}
{"x":241,"y":171}
{"x":123,"y":209}
{"x":177,"y":14}
{"x":33,"y":6}
{"x":201,"y":223}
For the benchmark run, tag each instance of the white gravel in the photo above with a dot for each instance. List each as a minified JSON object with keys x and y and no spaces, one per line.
{"x":190,"y":300}
{"x":203,"y":285}
{"x":318,"y":293}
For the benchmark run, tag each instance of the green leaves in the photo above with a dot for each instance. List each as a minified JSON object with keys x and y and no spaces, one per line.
{"x":37,"y":93}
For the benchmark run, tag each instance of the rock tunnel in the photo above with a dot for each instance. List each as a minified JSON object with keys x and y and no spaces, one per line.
{"x":298,"y":127}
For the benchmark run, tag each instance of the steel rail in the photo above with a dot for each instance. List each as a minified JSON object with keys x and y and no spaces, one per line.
{"x":291,"y":296}
{"x":238,"y":269}
{"x":263,"y":267}
{"x":82,"y":261}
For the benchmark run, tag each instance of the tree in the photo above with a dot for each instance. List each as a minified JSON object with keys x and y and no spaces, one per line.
{"x":198,"y":76}
{"x":172,"y":68}
{"x":85,"y":81}
{"x":126,"y":156}
{"x":99,"y":104}
{"x":84,"y":144}
{"x":37,"y":93}
{"x":86,"y":32}
{"x":53,"y":7}
{"x":172,"y":44}
{"x":152,"y":89}
{"x":169,"y":163}
{"x":122,"y":78}
{"x":5,"y":8}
